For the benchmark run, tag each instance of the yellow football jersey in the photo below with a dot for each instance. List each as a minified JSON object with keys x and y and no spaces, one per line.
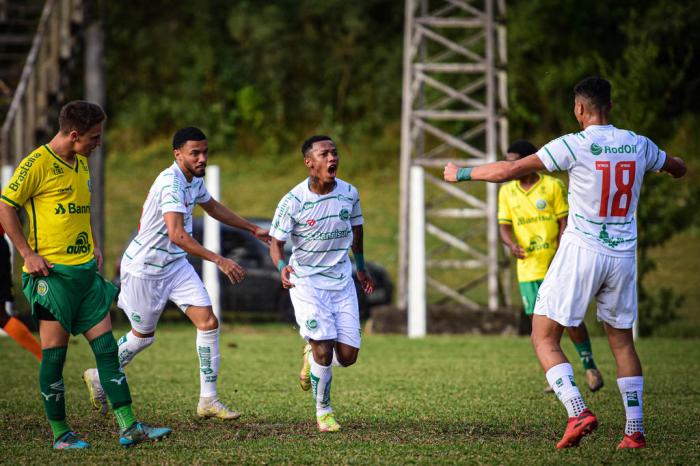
{"x":56,"y":197}
{"x":534,"y":216}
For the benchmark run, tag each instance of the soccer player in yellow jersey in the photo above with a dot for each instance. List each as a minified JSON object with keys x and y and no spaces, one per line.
{"x":61,"y":262}
{"x":532,"y":212}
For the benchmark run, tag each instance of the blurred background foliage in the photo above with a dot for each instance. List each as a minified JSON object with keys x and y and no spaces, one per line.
{"x":261,"y":76}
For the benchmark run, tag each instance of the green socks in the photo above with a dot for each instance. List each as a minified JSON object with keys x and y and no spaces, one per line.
{"x":52,"y":390}
{"x":125,"y":417}
{"x":586,"y":354}
{"x":112,"y":378}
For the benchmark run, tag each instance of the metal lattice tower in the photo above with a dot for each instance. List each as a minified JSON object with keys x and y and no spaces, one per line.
{"x":454,"y":103}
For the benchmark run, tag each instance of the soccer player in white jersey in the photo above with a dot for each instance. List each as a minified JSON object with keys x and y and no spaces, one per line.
{"x":596,"y":257}
{"x":323,"y":219}
{"x":154,"y":268}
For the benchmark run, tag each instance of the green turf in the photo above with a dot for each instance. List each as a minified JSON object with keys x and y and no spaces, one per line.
{"x":440,"y":400}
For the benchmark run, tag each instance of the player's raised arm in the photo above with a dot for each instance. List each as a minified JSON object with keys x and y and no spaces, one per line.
{"x":225,"y":215}
{"x":174,"y":221}
{"x":675,"y":166}
{"x":495,"y":172}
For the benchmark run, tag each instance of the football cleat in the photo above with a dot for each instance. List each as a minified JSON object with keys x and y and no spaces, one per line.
{"x":139,"y":432}
{"x":577,"y":428}
{"x":69,"y":440}
{"x":327,"y":423}
{"x":305,"y":374}
{"x":98,"y":398}
{"x":216,"y":409}
{"x":594,"y":379}
{"x":635,"y":440}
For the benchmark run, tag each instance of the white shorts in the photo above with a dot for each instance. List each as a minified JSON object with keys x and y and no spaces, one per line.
{"x":577,"y":274}
{"x":327,"y":314}
{"x":143,"y":300}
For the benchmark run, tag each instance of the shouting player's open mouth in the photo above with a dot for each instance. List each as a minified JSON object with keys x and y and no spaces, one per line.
{"x":332,"y":169}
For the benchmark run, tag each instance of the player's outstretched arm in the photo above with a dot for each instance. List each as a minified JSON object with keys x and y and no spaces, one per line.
{"x":225,"y":215}
{"x":175,"y":222}
{"x":675,"y":166}
{"x":495,"y":172}
{"x":363,"y":275}
{"x":36,"y":265}
{"x":277,"y":256}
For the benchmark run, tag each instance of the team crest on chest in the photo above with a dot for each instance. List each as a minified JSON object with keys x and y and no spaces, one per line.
{"x":344,"y":214}
{"x":541,"y":204}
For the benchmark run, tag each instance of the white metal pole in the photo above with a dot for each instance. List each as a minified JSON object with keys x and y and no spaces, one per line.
{"x":212,"y":241}
{"x":416,"y":262}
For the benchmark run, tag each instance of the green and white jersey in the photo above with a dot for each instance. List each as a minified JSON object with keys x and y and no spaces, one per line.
{"x":151,"y":253}
{"x":320,"y":228}
{"x":606,"y":167}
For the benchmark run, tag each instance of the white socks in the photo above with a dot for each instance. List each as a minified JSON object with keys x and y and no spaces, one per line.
{"x":561,"y":379}
{"x":631,"y":389}
{"x":321,"y":377}
{"x":130,"y":345}
{"x":209,"y":357}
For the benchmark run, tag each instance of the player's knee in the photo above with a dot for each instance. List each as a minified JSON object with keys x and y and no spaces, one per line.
{"x":347,"y":359}
{"x":208,"y":323}
{"x":323,"y":355}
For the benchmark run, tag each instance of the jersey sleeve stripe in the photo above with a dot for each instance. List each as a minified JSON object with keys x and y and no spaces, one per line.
{"x":553,"y":161}
{"x":10,"y":201}
{"x":505,"y":220}
{"x":567,"y":146}
{"x":657,"y":158}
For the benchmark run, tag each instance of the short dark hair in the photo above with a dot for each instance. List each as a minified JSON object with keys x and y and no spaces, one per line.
{"x":306,"y":147}
{"x":522,"y":147}
{"x":80,"y":116}
{"x":596,"y":90}
{"x":189,"y":133}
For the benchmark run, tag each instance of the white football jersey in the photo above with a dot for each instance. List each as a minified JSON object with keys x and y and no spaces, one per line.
{"x":606,"y":167}
{"x":150,"y":253}
{"x":320,"y":228}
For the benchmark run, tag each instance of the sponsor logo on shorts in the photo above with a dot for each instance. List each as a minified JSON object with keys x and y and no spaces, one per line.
{"x":632,"y":398}
{"x":42,"y":287}
{"x":311,"y":324}
{"x":344,"y":214}
{"x":541,"y":204}
{"x":136,"y":317}
{"x":81,"y":246}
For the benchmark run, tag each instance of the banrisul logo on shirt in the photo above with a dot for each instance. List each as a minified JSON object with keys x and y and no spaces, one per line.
{"x":81,"y":246}
{"x":621,"y":149}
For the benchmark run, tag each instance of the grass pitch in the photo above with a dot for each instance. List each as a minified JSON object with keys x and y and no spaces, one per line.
{"x":440,"y":400}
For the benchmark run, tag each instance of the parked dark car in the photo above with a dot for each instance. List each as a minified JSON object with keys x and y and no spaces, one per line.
{"x":261,"y":290}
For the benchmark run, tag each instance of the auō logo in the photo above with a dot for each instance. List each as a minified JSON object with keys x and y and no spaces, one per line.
{"x":60,"y":210}
{"x":537,"y":244}
{"x":81,"y":246}
{"x":311,"y":324}
{"x":42,"y":287}
{"x":541,"y":204}
{"x":596,"y":149}
{"x":344,"y":214}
